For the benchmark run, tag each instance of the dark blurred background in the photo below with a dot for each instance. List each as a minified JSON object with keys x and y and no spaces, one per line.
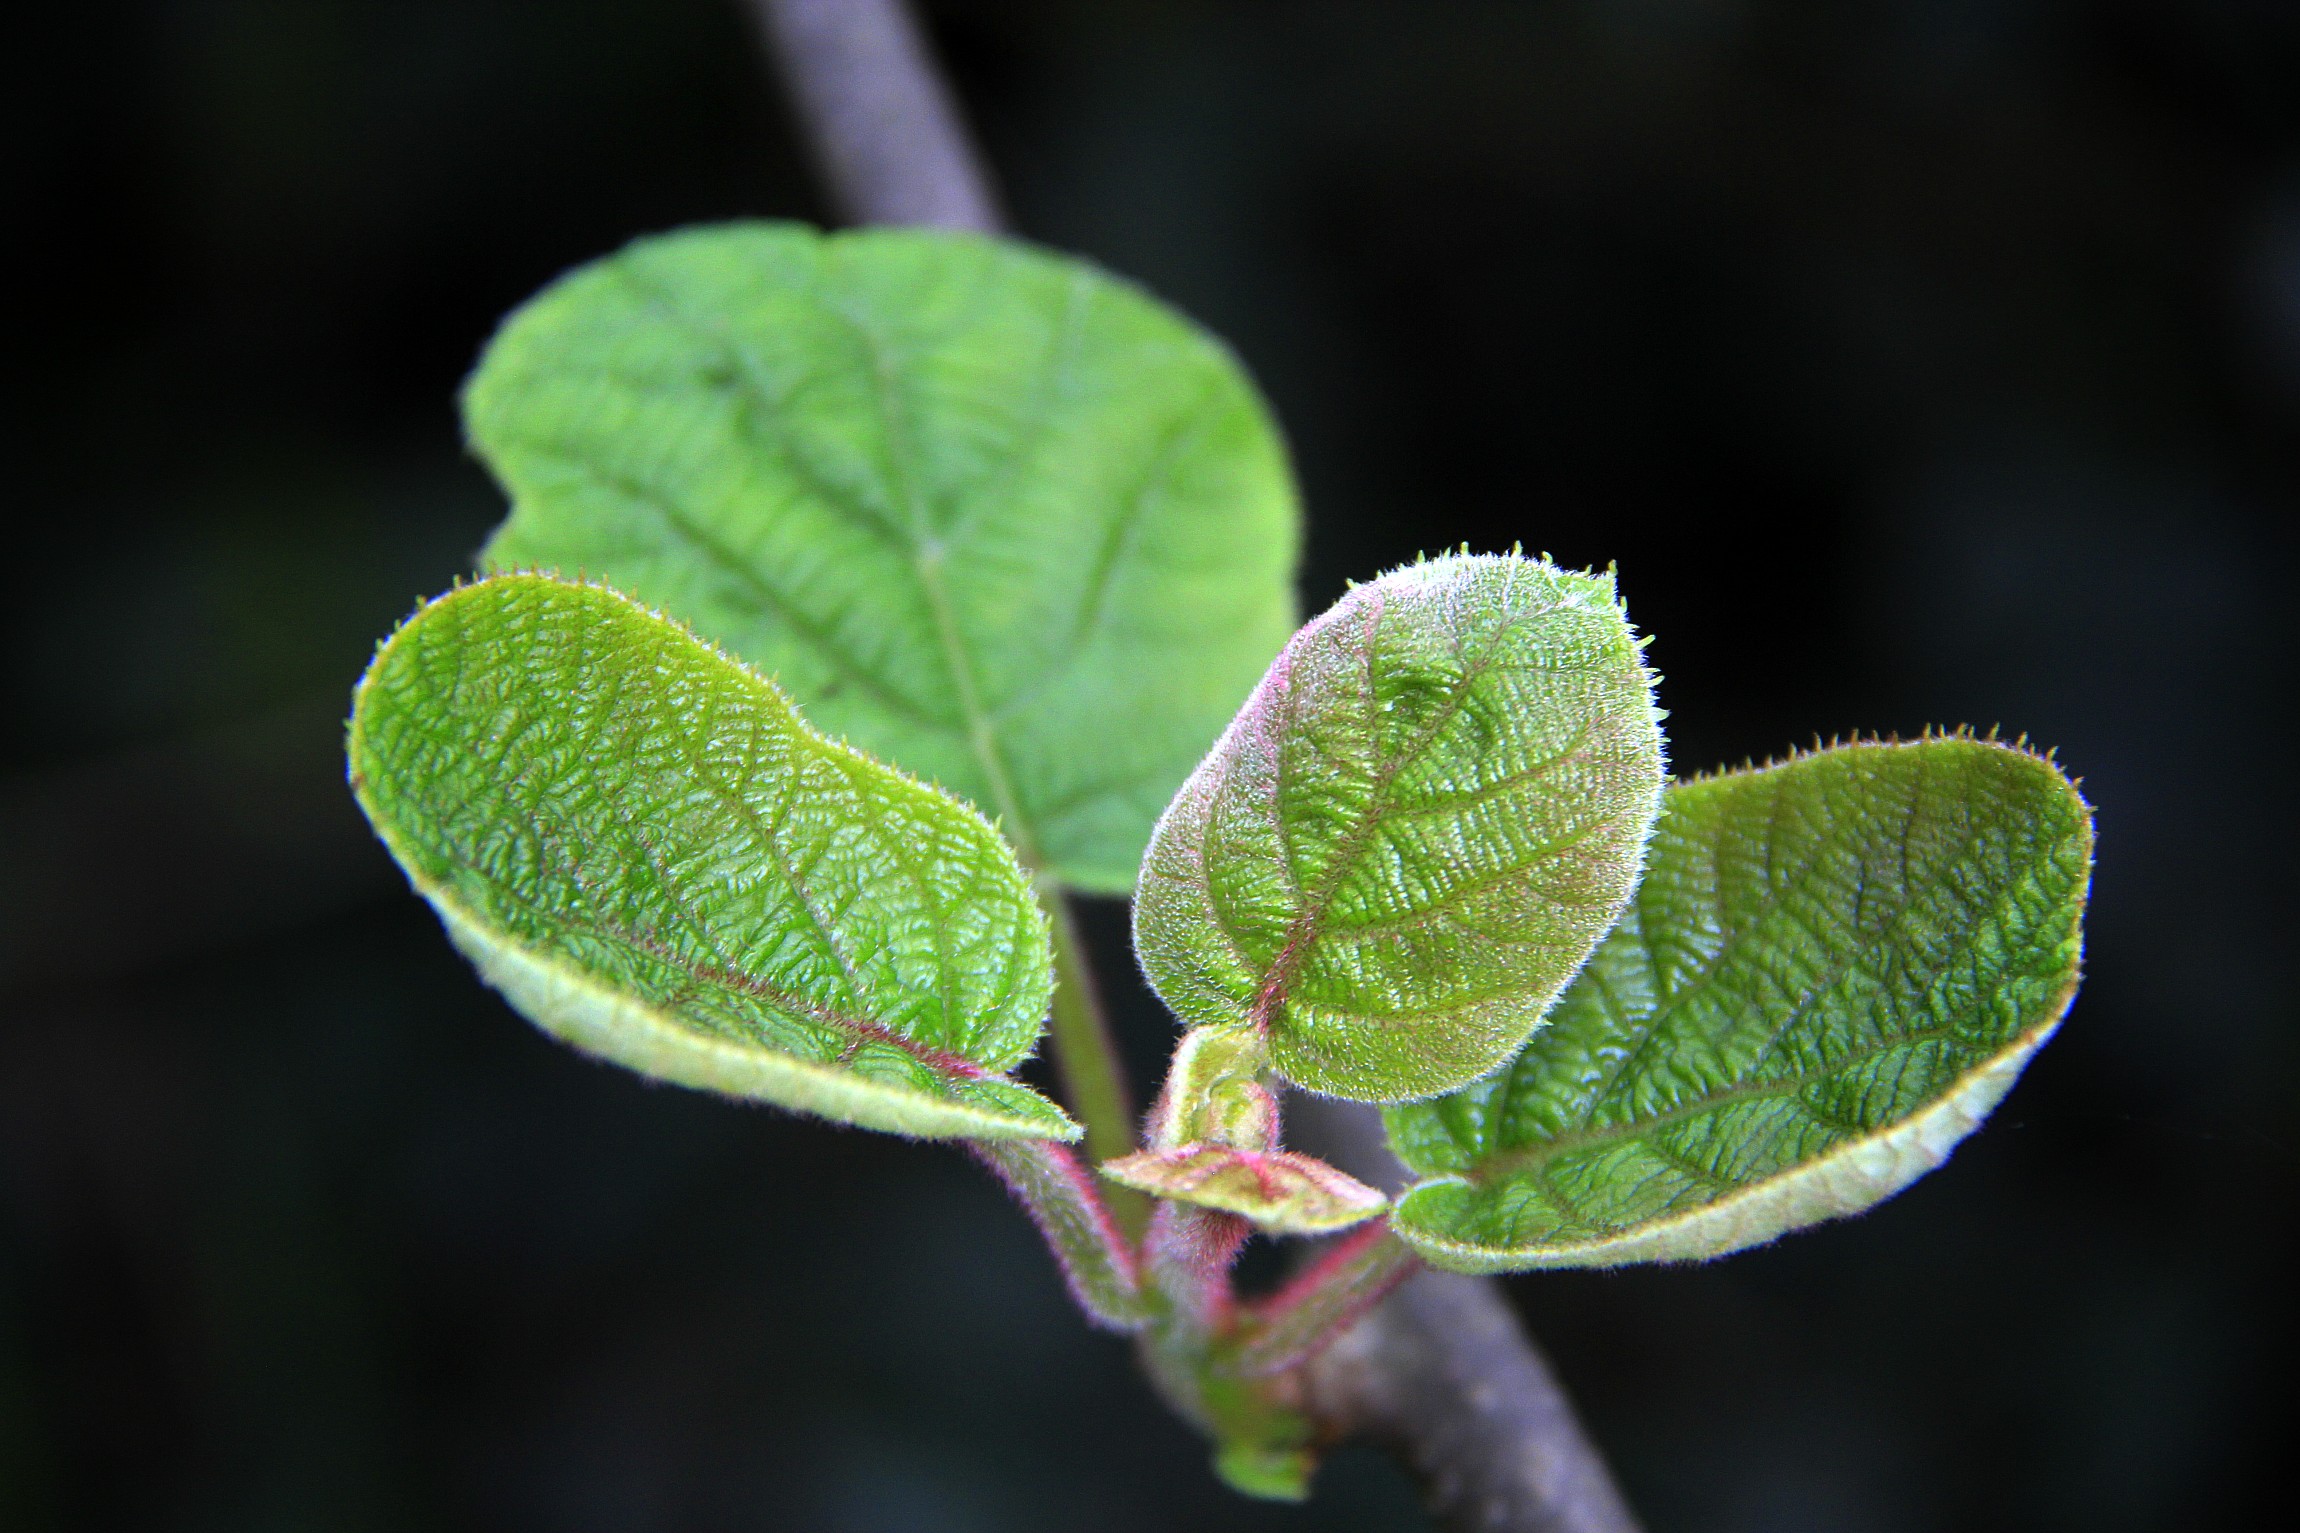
{"x":1919,"y":361}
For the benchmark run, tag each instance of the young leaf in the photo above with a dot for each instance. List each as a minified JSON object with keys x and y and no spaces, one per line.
{"x":640,"y":843}
{"x":1213,"y":1143}
{"x":1415,"y":830}
{"x":1216,"y":1092}
{"x":1281,"y":1191}
{"x":1832,"y":971}
{"x":987,"y":512}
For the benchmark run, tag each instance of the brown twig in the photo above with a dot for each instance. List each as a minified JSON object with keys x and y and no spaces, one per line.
{"x":1445,"y":1377}
{"x":1442,"y":1373}
{"x":885,"y":132}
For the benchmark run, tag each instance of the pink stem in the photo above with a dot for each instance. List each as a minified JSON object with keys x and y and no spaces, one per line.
{"x":1324,"y":1300}
{"x":1188,"y":1253}
{"x":1065,"y":1201}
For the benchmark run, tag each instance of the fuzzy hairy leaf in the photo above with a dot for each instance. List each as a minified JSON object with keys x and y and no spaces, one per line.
{"x":1213,"y":1143}
{"x":1415,"y":831}
{"x":1832,"y":971}
{"x":1216,"y":1092}
{"x":1281,"y":1191}
{"x":986,"y":512}
{"x":641,"y":844}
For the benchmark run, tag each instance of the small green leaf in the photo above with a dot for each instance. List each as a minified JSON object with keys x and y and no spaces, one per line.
{"x":1216,"y":1092}
{"x":1414,"y":832}
{"x":1282,"y":1191}
{"x":1266,"y":1473}
{"x":987,"y":512}
{"x":1213,"y":1143}
{"x":642,"y":845}
{"x":1832,"y":971}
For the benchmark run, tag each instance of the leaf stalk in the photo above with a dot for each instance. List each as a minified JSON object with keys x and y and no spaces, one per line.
{"x":1086,"y":1060}
{"x":1323,"y":1300}
{"x":1101,"y":1265}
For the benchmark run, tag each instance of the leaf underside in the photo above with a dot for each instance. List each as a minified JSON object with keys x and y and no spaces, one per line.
{"x":1414,"y":832}
{"x":988,"y":513}
{"x":1832,"y":970}
{"x":645,"y":848}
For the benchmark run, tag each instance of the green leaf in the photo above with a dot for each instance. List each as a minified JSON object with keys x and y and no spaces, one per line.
{"x":641,"y":844}
{"x":986,"y":512}
{"x":1216,"y":1092}
{"x":1833,"y":970}
{"x":1414,"y":832}
{"x":1266,"y":1473}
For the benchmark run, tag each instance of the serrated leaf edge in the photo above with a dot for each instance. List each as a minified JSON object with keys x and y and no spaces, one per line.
{"x":1930,"y":734}
{"x":1849,"y":1179}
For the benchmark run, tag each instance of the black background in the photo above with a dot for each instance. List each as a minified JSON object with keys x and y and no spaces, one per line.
{"x":1918,"y":361}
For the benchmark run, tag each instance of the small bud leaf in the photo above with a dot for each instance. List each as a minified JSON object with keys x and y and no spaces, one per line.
{"x":1216,"y":1092}
{"x":1281,"y":1191}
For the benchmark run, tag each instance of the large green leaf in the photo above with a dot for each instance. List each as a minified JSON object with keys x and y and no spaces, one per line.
{"x":642,"y":845}
{"x":1415,"y":831}
{"x":1832,"y":971}
{"x":989,"y":513}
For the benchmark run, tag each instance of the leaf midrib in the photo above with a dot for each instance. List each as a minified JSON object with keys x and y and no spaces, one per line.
{"x":978,"y":726}
{"x":926,"y":555}
{"x":1274,"y":989}
{"x":726,"y":975}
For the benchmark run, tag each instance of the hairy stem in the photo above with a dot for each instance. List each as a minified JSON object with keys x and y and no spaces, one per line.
{"x":1186,"y":1259}
{"x":1085,"y":1054}
{"x":1322,"y":1301}
{"x":1261,"y":1442}
{"x":1063,"y":1200}
{"x":884,"y":129}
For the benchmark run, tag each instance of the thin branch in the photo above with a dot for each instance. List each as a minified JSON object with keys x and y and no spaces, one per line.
{"x":1444,"y":1377}
{"x":886,"y":134}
